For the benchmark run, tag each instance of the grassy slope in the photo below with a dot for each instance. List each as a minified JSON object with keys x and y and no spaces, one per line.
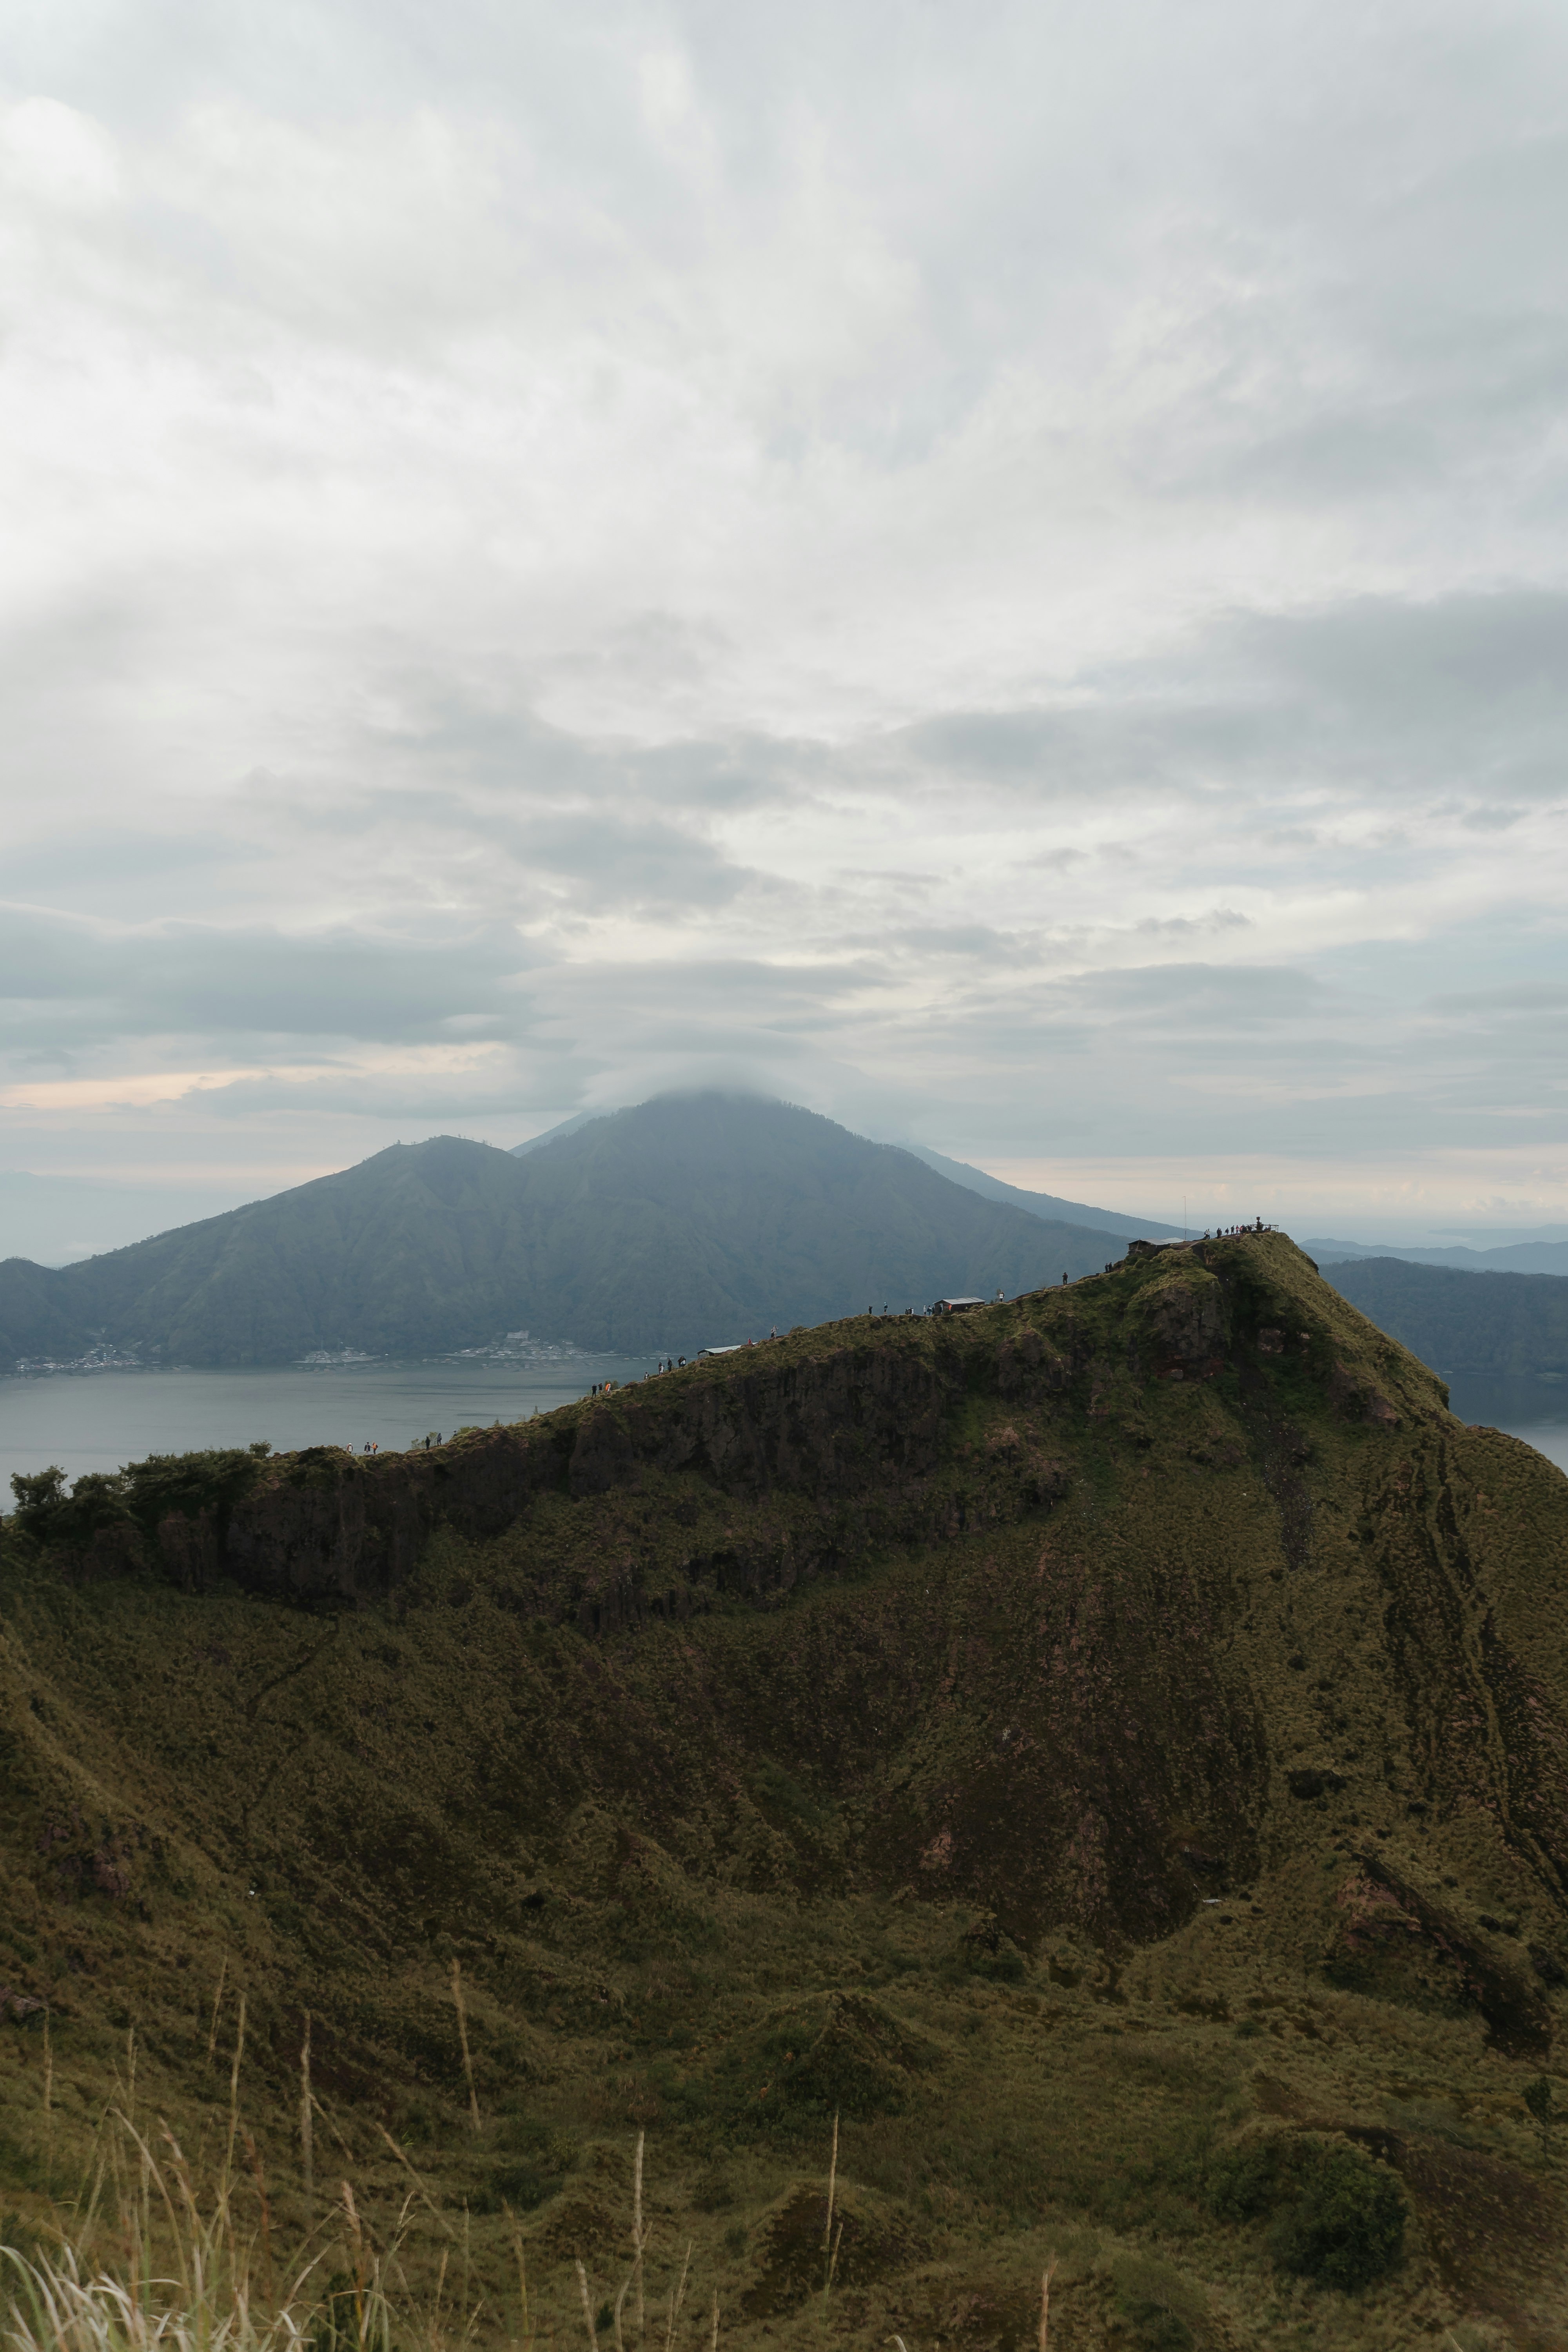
{"x":1461,"y":1321}
{"x":896,"y":1784}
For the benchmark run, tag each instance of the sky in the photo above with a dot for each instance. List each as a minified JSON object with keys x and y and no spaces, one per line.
{"x":999,"y":572}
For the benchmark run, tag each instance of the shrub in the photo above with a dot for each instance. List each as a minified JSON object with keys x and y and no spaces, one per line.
{"x":1339,"y":2216}
{"x":1246,"y":2181}
{"x":1346,"y":2225}
{"x":1155,"y":2327}
{"x":46,"y":1512}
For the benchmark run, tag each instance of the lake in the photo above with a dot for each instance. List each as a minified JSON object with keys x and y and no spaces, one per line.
{"x":1533,"y":1409}
{"x":96,"y":1420}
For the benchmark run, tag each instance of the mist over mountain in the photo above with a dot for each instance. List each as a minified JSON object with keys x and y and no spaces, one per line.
{"x":689,"y":1221}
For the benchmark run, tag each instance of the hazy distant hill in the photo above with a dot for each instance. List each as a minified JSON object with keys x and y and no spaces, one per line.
{"x":1043,"y":1204}
{"x":1458,"y":1321}
{"x":1510,"y":1258}
{"x":687,"y":1221}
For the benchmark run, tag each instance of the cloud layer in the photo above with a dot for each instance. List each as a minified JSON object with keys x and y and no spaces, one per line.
{"x":1002,"y":576}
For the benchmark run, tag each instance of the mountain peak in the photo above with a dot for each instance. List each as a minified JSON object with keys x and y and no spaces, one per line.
{"x":696,"y":1218}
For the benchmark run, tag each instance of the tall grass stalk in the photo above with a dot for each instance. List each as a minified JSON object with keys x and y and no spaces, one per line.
{"x":677,"y":2298}
{"x":198,"y":2298}
{"x":217,"y":2004}
{"x":521,"y":2279}
{"x":587,"y":2308}
{"x":463,"y":2040}
{"x":431,"y":2207}
{"x":640,"y":2235}
{"x":176,"y":2271}
{"x":234,"y":2089}
{"x":307,"y":2145}
{"x":829,"y":2244}
{"x":832,"y":2264}
{"x":254,"y":2156}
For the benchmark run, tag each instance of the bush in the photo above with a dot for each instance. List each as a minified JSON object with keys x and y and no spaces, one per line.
{"x":1155,"y":2326}
{"x":137,"y":1497}
{"x":1339,"y":2216}
{"x":1246,"y":2181}
{"x":1346,"y":2226}
{"x":46,"y":1512}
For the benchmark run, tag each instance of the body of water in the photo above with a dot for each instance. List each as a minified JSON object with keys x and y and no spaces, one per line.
{"x":97,"y":1420}
{"x":1533,"y":1409}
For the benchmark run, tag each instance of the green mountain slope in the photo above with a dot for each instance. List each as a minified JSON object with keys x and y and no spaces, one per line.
{"x":688,"y":1222}
{"x":1111,"y":1750}
{"x":1459,"y":1321}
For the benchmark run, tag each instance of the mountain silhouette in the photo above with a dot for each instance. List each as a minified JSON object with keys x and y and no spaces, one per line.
{"x":689,"y":1221}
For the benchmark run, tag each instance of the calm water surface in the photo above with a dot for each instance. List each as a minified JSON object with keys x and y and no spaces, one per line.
{"x":1535,"y":1410}
{"x":96,"y":1420}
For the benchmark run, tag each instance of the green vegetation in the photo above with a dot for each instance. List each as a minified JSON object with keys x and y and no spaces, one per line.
{"x":141,"y":1497}
{"x":1338,"y":2216}
{"x":1104,"y":1751}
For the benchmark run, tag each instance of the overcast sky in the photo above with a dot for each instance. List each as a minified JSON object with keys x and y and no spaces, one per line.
{"x":996,"y":570}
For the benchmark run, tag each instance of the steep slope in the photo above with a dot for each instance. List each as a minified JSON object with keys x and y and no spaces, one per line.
{"x":1460,"y":1322}
{"x":1111,"y":1749}
{"x":711,"y":1217}
{"x":411,"y":1250}
{"x":687,"y":1221}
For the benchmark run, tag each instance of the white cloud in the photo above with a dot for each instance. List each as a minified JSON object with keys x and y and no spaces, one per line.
{"x":1002,"y":574}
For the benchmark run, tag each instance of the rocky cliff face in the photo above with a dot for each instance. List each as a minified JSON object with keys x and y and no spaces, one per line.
{"x":855,"y":1421}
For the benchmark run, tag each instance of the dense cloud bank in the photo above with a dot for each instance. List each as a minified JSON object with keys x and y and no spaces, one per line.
{"x":1003,"y":578}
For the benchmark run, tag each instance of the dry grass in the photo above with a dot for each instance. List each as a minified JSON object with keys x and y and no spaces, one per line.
{"x":150,"y":2264}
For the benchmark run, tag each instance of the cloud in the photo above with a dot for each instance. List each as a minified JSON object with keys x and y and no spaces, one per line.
{"x":67,"y":985}
{"x":1007,"y":572}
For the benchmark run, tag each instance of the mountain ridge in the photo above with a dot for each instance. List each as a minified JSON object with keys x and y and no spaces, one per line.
{"x":1488,"y":1324}
{"x":1509,"y":1257}
{"x":681,"y":1222}
{"x":1131,"y":1717}
{"x":1045,"y":1205}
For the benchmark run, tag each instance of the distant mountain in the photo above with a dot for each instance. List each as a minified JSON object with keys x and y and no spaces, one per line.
{"x":689,"y":1221}
{"x":1043,"y":1204}
{"x":1511,"y":1257}
{"x":1458,"y":1321}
